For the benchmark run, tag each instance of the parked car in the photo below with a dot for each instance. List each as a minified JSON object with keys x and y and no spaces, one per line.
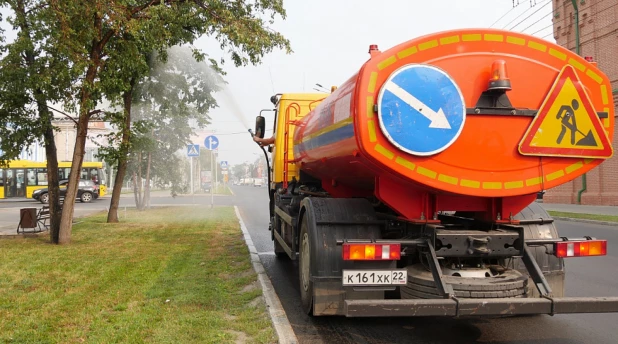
{"x":206,"y":186}
{"x":86,"y":192}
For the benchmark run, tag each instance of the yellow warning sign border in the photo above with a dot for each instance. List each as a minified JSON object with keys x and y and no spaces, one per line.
{"x":525,"y":148}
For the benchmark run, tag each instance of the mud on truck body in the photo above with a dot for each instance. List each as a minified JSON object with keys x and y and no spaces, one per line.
{"x":410,"y":189}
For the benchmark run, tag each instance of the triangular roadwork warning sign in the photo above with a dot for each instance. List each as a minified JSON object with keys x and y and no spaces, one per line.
{"x":567,"y":124}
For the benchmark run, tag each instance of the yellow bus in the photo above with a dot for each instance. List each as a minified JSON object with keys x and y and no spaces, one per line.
{"x":22,"y":177}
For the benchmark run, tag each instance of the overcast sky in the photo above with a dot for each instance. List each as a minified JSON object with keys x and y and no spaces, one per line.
{"x":330,"y":40}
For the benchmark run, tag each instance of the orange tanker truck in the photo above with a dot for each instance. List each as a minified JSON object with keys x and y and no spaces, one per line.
{"x":410,"y":189}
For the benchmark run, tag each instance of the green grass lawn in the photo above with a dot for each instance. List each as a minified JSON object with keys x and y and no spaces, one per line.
{"x":167,"y":275}
{"x":610,"y":218}
{"x":223,"y":190}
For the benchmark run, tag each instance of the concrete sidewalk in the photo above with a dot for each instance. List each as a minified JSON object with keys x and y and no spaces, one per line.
{"x":582,"y":209}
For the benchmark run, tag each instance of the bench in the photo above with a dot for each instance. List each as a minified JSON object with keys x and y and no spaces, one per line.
{"x":43,"y":217}
{"x":34,"y":220}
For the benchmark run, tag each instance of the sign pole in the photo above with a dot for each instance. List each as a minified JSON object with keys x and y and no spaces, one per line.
{"x":192,"y":150}
{"x":212,"y":142}
{"x":216,"y":170}
{"x":212,"y":197}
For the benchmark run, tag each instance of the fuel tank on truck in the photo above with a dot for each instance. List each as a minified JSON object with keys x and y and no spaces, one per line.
{"x":479,"y":113}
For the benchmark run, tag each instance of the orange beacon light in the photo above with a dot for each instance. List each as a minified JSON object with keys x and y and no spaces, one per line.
{"x":499,"y":79}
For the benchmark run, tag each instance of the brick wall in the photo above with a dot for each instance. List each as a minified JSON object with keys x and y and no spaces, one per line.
{"x":599,"y":39}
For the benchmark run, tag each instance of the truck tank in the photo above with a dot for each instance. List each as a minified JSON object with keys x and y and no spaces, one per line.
{"x":476,"y":121}
{"x":410,"y":189}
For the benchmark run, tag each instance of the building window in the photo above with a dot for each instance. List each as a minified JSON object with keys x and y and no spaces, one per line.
{"x":91,"y":154}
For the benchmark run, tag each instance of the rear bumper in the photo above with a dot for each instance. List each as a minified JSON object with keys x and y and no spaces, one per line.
{"x":479,"y":307}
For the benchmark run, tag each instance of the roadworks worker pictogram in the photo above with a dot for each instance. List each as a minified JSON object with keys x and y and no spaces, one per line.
{"x":566,"y":124}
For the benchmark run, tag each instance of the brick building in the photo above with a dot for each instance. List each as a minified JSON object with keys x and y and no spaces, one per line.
{"x":598,"y":22}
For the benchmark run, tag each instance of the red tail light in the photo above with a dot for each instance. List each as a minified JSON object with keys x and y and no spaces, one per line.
{"x":371,"y":251}
{"x":585,"y":248}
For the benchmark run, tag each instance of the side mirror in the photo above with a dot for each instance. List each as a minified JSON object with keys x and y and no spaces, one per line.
{"x":274,"y":99}
{"x":260,"y":126}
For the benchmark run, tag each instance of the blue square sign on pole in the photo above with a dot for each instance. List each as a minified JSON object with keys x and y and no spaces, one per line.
{"x":224,"y":165}
{"x":193,"y":150}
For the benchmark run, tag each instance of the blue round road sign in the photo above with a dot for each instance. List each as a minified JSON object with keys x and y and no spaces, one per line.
{"x":421,"y":109}
{"x":211,"y":142}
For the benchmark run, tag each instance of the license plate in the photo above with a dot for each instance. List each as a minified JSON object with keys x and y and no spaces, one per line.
{"x":375,"y":277}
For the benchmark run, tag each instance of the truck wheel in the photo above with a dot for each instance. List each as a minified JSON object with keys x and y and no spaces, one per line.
{"x":304,"y":269}
{"x":323,"y":222}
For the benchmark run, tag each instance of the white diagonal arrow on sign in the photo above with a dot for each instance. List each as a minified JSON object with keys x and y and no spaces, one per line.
{"x":437,"y":118}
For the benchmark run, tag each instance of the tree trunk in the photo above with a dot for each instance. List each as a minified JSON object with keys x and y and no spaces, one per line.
{"x":147,"y":192}
{"x":52,"y":174}
{"x":112,"y":215}
{"x":135,"y":189}
{"x":140,"y":195}
{"x":48,"y":134}
{"x":66,"y":222}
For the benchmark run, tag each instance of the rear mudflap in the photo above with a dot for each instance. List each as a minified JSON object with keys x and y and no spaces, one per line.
{"x":329,"y":297}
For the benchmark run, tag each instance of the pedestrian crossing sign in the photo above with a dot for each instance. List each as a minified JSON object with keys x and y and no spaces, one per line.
{"x":193,"y":150}
{"x":567,"y":125}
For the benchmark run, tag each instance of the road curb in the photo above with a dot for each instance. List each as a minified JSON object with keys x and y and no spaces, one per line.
{"x":596,"y":222}
{"x":275,"y":309}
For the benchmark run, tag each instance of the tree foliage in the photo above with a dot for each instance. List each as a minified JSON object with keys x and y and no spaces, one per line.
{"x":168,"y":104}
{"x":33,"y":73}
{"x":25,"y":73}
{"x":95,"y":52}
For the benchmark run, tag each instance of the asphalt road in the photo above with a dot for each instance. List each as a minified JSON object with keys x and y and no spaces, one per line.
{"x":585,"y":277}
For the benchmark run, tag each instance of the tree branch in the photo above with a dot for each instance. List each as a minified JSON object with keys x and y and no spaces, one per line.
{"x":138,"y":9}
{"x":63,"y":113}
{"x":94,"y":112}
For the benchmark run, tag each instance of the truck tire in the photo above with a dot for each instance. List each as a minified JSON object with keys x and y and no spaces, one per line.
{"x":324,"y":221}
{"x":304,"y":268}
{"x":551,"y":266}
{"x":421,"y":285}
